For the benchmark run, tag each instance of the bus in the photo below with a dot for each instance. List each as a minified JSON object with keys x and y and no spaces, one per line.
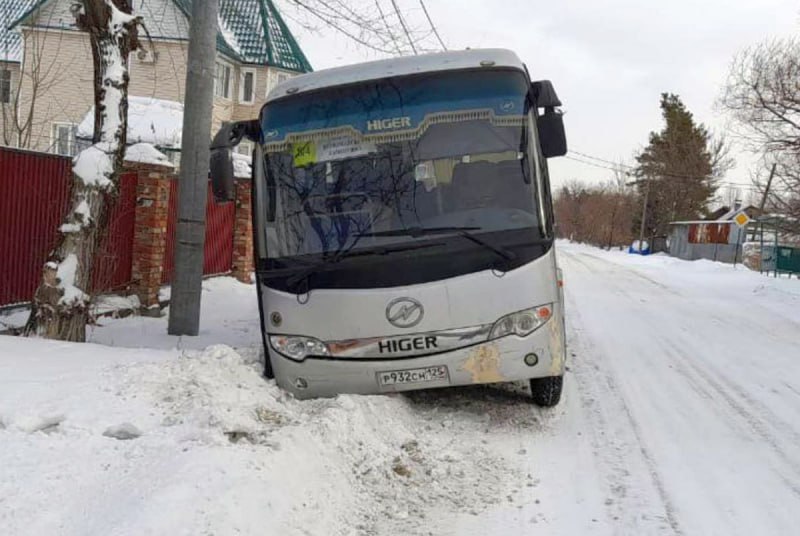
{"x":403,"y":226}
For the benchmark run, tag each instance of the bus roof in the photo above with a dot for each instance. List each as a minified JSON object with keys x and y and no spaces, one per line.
{"x":375,"y":70}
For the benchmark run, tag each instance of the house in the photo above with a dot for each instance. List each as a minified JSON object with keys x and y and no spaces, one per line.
{"x":10,"y":59}
{"x":716,"y":238}
{"x":49,"y":62}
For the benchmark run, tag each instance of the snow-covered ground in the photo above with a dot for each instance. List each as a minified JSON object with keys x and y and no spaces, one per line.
{"x":681,"y":416}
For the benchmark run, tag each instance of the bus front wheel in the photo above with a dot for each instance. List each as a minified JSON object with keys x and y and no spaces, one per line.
{"x":546,"y":392}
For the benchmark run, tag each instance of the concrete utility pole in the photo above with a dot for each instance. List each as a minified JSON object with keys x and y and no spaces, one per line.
{"x":766,"y":190}
{"x":184,"y":311}
{"x":644,"y":215}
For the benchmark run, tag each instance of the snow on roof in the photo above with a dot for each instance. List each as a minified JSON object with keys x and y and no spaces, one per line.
{"x":250,"y":31}
{"x":10,"y":40}
{"x":154,"y":121}
{"x":253,"y":31}
{"x":144,"y":153}
{"x":228,"y":36}
{"x":375,"y":70}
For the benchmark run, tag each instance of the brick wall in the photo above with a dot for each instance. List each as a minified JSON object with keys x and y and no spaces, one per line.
{"x":243,"y":233}
{"x":151,"y":229}
{"x":150,"y":232}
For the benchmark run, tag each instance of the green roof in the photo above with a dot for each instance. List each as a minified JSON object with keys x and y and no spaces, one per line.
{"x":250,"y":31}
{"x":253,"y":31}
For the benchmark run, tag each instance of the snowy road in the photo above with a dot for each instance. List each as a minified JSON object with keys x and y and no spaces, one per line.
{"x":681,"y":416}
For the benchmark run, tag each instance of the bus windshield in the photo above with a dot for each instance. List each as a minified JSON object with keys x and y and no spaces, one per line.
{"x":376,"y":164}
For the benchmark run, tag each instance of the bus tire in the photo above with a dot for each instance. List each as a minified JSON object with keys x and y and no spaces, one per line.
{"x":546,"y":392}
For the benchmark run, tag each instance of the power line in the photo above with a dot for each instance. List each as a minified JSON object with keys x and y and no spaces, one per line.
{"x":388,"y":28}
{"x":433,"y":27}
{"x":628,"y":168}
{"x":403,"y":25}
{"x":617,"y":166}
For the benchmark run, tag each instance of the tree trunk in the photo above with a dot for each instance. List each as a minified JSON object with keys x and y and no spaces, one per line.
{"x":61,"y":304}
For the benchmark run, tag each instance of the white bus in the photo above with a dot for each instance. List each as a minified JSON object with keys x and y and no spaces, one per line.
{"x":403,"y":226}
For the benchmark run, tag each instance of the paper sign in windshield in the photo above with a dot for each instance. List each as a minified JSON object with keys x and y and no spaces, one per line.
{"x":326,"y":150}
{"x":304,"y":153}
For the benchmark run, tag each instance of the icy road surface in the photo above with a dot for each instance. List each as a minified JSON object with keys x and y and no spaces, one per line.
{"x":681,"y":416}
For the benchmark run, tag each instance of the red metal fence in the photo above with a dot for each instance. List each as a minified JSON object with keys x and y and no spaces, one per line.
{"x":34,"y":191}
{"x":218,"y":249}
{"x":34,"y":197}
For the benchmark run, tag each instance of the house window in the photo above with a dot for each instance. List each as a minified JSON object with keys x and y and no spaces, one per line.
{"x":222,"y":80}
{"x":62,"y":140}
{"x":5,"y":86}
{"x":276,"y":77}
{"x":247,"y":86}
{"x":245,"y":148}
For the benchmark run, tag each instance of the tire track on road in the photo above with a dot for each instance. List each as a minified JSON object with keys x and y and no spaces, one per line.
{"x":615,"y":395}
{"x":764,"y":426}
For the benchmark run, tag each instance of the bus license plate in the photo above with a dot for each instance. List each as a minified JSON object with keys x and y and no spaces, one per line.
{"x":418,"y":375}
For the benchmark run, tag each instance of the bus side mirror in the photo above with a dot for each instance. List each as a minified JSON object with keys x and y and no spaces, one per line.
{"x":551,"y":123}
{"x":221,"y":164}
{"x":551,"y":133}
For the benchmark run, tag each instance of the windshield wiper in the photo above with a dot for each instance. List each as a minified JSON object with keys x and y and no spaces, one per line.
{"x":416,"y":232}
{"x":324,"y":264}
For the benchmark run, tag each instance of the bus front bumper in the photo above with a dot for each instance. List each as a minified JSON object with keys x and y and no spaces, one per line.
{"x":507,"y":359}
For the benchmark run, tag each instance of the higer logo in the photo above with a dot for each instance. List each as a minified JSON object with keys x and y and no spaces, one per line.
{"x":407,"y":345}
{"x":404,"y":312}
{"x":386,"y":124}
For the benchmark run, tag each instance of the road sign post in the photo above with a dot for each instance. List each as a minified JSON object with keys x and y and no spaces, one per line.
{"x":741,"y":219}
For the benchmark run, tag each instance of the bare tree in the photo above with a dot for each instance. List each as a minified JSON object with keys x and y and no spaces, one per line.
{"x":38,"y":75}
{"x":600,"y":214}
{"x":762,"y":95}
{"x":384,"y":27}
{"x":61,"y":301}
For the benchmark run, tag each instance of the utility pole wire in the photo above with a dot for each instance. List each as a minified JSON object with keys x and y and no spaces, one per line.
{"x":405,"y":28}
{"x":433,"y":26}
{"x":184,"y":311}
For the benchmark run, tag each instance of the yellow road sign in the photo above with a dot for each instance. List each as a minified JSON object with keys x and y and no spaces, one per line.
{"x":741,"y":219}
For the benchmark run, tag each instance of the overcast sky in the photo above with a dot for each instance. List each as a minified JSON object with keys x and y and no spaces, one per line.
{"x":609,"y":60}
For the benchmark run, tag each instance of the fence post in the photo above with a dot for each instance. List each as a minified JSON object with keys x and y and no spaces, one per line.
{"x":150,"y":233}
{"x":243,"y":232}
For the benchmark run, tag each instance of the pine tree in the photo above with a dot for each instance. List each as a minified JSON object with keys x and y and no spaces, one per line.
{"x":679,"y":166}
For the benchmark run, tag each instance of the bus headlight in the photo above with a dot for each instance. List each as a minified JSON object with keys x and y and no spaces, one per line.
{"x":297,"y":347}
{"x":522,"y":323}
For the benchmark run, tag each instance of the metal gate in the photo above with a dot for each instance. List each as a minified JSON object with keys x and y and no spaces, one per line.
{"x":218,"y":249}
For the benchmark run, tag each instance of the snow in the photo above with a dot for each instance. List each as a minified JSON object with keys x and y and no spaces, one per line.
{"x":679,"y":417}
{"x":400,"y":66}
{"x":69,"y":228}
{"x":123,"y":432}
{"x":229,"y":36}
{"x":67,"y":270}
{"x":82,"y":210}
{"x":94,"y":165}
{"x":155,"y":121}
{"x":119,"y":20}
{"x":145,"y":153}
{"x":242,"y":166}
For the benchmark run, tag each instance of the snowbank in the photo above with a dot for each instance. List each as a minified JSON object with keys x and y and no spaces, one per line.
{"x":211,"y":447}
